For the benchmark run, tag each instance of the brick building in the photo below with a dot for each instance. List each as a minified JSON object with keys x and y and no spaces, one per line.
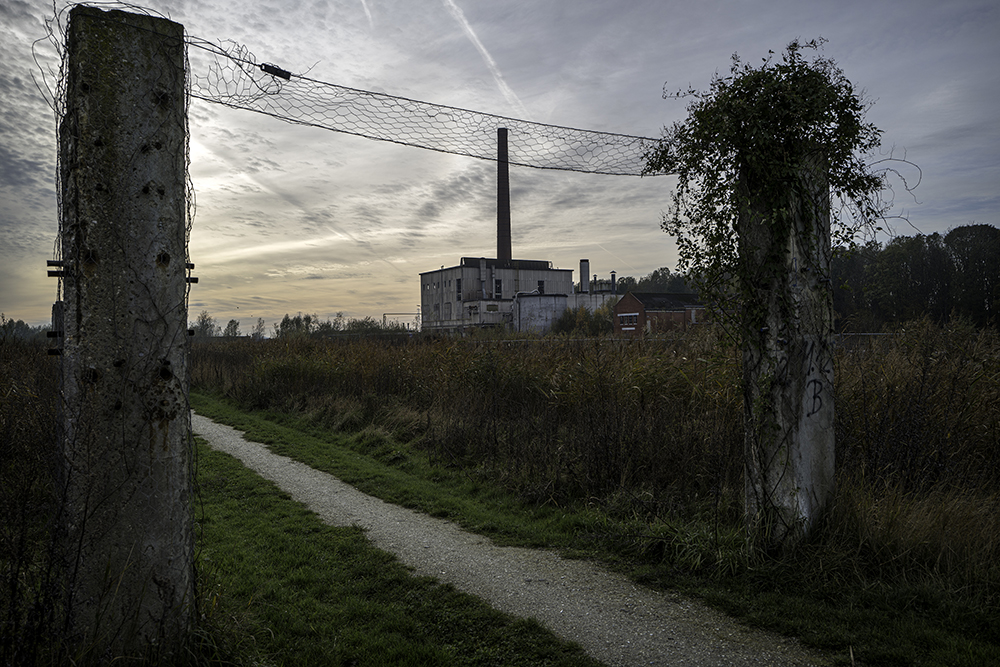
{"x":639,"y":313}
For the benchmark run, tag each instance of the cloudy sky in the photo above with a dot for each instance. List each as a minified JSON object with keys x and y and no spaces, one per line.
{"x":298,"y":219}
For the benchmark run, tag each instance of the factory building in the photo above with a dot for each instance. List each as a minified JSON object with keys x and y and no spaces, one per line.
{"x":516,"y":294}
{"x":480,"y":291}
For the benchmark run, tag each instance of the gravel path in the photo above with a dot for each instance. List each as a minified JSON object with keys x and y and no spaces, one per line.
{"x":615,"y":620}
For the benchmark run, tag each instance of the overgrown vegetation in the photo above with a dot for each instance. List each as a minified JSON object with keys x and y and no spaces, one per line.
{"x":747,"y":159}
{"x":556,"y":419}
{"x":649,"y":435}
{"x":758,"y":159}
{"x":29,"y":388}
{"x":626,"y":450}
{"x":585,"y":322}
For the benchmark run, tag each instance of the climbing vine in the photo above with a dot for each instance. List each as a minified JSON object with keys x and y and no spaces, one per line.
{"x":753,"y":138}
{"x":759,"y":159}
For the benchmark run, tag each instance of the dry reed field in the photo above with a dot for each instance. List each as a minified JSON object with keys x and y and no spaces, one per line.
{"x":648,"y":432}
{"x":653,"y":427}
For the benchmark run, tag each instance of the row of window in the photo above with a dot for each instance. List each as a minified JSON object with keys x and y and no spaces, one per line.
{"x":628,"y":319}
{"x":497,"y":288}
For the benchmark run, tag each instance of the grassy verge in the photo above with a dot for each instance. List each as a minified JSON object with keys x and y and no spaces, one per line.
{"x":373,"y":463}
{"x":279,"y":587}
{"x":833,"y":600}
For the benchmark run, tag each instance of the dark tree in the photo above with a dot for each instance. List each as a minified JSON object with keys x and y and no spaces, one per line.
{"x":912,"y":278}
{"x":975,"y":252}
{"x":205,"y":326}
{"x":853,"y":278}
{"x":663,"y":280}
{"x":232,"y":329}
{"x":625,"y":284}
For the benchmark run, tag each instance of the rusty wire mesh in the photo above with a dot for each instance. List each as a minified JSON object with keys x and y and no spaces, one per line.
{"x":229,"y":74}
{"x":235,"y":78}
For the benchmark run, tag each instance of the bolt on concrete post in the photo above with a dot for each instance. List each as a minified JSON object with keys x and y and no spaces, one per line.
{"x":128,"y":539}
{"x":788,"y":364}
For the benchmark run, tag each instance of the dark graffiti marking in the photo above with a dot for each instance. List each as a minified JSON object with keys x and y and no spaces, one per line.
{"x":818,"y":361}
{"x":816,"y":386}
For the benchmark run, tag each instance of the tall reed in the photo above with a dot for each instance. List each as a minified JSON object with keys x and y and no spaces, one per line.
{"x":655,"y":426}
{"x":29,"y":595}
{"x":553,"y":418}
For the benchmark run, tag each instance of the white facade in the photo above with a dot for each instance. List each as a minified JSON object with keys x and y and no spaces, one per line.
{"x":536,"y":313}
{"x":480,"y":291}
{"x":589,"y":301}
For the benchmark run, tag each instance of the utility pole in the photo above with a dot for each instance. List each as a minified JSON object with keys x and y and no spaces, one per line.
{"x":127,"y":538}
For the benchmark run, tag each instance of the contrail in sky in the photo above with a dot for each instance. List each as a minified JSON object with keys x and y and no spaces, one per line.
{"x":504,"y":88}
{"x":368,"y":13}
{"x":616,"y":257}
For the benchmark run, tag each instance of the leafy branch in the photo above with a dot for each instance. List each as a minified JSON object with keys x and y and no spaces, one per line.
{"x":753,"y":137}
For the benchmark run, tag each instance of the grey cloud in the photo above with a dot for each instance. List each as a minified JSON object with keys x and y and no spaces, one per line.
{"x":24,"y":171}
{"x":474,"y":186}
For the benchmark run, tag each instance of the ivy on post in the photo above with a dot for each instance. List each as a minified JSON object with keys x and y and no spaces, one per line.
{"x":758,"y":159}
{"x":127,"y":539}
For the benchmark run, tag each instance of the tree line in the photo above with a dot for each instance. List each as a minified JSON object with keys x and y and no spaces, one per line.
{"x":306,"y":326}
{"x":875,"y":285}
{"x":955,"y":275}
{"x":21,"y":330}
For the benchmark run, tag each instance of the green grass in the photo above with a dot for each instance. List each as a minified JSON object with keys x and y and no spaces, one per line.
{"x":279,"y":587}
{"x":371,"y":462}
{"x":833,"y":601}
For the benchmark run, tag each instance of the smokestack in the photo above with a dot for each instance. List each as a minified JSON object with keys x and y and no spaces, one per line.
{"x":614,"y":285}
{"x":503,"y":199}
{"x":585,"y":276}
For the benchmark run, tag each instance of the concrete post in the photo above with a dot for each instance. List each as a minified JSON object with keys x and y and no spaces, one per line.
{"x":788,"y":360}
{"x":128,"y":539}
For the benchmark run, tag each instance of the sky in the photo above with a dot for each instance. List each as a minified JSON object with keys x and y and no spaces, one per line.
{"x":293,"y":219}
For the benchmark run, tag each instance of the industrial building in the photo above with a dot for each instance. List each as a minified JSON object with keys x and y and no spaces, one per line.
{"x":516,"y":294}
{"x":639,"y":313}
{"x":521,"y":295}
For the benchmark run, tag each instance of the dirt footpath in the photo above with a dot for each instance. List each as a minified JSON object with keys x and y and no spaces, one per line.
{"x":615,"y":620}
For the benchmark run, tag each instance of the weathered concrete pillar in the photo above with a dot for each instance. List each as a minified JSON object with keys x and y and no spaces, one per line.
{"x":787,"y":359}
{"x":128,"y":539}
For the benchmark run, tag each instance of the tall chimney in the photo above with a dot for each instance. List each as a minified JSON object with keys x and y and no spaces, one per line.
{"x":503,"y":199}
{"x":585,"y":276}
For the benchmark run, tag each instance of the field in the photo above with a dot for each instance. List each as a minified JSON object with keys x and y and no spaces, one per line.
{"x":639,"y":443}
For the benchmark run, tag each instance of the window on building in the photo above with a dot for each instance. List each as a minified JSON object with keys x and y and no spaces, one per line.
{"x":458,"y":289}
{"x":541,"y":287}
{"x":628,"y":319}
{"x":498,"y":288}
